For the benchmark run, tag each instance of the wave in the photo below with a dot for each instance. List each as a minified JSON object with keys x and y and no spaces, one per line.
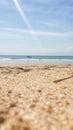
{"x":3,"y":59}
{"x":30,"y":60}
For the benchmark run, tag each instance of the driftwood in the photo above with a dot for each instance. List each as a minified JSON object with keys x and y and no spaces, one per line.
{"x":59,"y":80}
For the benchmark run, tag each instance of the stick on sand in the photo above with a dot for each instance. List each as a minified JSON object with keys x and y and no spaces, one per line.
{"x":59,"y":80}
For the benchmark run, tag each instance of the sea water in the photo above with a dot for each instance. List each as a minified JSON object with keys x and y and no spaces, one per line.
{"x":30,"y":59}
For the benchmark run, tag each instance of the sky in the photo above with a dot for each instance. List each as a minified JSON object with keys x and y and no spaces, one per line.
{"x":36,"y":27}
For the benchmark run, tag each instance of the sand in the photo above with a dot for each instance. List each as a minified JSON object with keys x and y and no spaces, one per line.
{"x":36,"y":97}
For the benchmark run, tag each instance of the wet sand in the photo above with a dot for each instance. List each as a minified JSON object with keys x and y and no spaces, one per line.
{"x":36,"y":97}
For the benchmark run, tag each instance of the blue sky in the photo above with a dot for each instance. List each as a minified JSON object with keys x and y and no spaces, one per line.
{"x":36,"y":27}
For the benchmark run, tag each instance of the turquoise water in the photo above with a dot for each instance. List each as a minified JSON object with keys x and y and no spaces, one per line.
{"x":23,"y":59}
{"x":34,"y":57}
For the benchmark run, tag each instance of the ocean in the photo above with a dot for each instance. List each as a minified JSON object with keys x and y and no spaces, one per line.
{"x":27,"y":59}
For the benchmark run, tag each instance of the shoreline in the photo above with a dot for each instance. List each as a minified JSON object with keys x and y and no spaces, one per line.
{"x":35,"y":65}
{"x":36,"y":61}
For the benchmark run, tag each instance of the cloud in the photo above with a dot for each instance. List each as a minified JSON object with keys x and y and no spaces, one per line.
{"x":16,"y":31}
{"x":69,"y":48}
{"x":49,"y":23}
{"x":52,"y":42}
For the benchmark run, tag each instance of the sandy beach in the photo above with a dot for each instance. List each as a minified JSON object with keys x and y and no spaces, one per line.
{"x":36,"y":97}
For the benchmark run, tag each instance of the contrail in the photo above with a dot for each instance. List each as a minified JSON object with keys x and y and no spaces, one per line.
{"x":22,"y":14}
{"x":24,"y":17}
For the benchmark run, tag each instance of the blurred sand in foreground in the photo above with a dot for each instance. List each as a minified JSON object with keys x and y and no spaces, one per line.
{"x":36,"y":97}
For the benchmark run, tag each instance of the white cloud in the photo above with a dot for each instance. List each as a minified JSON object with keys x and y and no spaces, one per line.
{"x":16,"y":31}
{"x":20,"y":41}
{"x":49,"y":23}
{"x":69,"y":48}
